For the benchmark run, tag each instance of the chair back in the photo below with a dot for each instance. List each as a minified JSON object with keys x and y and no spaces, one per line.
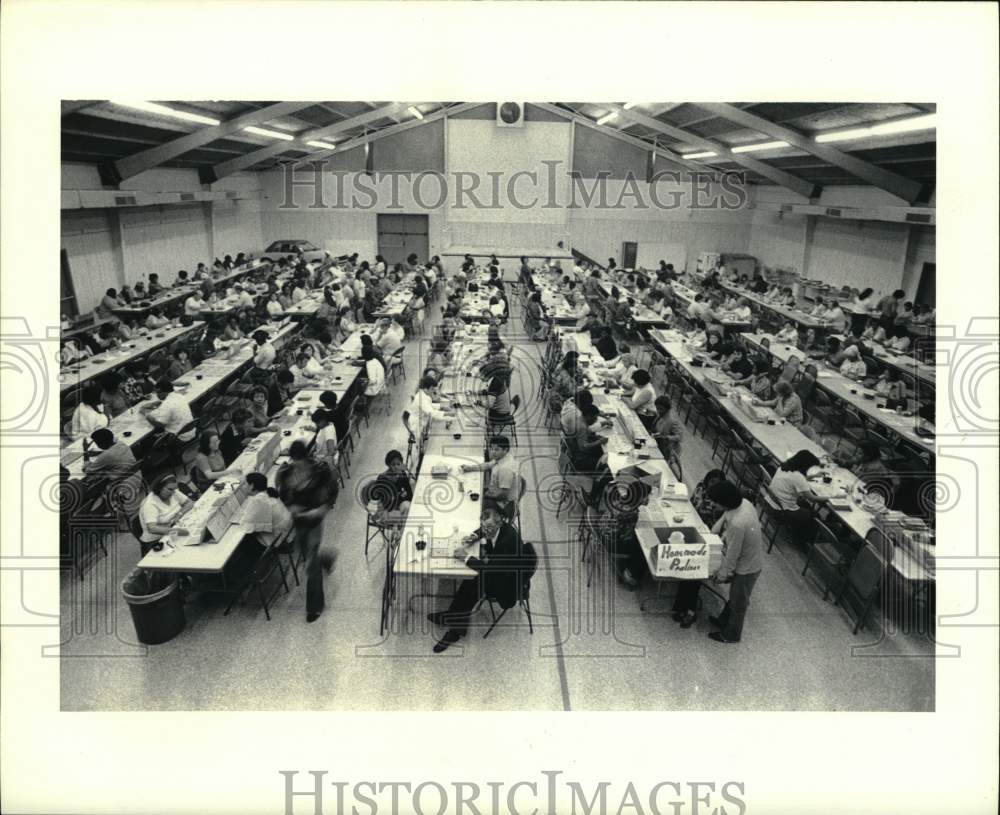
{"x":135,"y":527}
{"x":515,"y":403}
{"x":866,"y":572}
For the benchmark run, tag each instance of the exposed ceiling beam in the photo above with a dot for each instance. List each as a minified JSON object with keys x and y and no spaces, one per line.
{"x":77,"y":105}
{"x":667,"y":155}
{"x":147,"y":159}
{"x":792,"y":182}
{"x":872,"y":174}
{"x":255,"y":157}
{"x":389,"y":131}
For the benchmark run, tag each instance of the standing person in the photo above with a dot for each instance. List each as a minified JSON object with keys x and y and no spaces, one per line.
{"x":888,"y":308}
{"x":309,"y":490}
{"x":742,"y":558}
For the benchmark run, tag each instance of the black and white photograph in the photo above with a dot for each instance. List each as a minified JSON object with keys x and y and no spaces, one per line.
{"x":603,"y":427}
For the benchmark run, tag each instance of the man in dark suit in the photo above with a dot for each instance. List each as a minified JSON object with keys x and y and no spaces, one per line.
{"x":504,"y":565}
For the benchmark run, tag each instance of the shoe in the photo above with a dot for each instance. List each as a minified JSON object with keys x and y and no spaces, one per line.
{"x":717,"y":636}
{"x":628,"y":580}
{"x":312,"y":616}
{"x":450,"y":638}
{"x":677,"y":616}
{"x":715,"y":621}
{"x":436,"y":617}
{"x":688,"y":619}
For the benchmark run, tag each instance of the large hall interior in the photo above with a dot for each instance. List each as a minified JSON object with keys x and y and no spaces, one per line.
{"x":371,"y":405}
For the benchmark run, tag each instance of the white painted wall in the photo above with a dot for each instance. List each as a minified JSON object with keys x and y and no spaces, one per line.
{"x":107,"y":248}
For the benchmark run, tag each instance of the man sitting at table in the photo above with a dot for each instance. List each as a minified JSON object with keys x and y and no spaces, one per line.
{"x":389,"y":336}
{"x":115,"y":458}
{"x":605,"y":343}
{"x":173,"y":412}
{"x":502,"y":491}
{"x":422,"y":409}
{"x":194,"y":304}
{"x":503,"y":567}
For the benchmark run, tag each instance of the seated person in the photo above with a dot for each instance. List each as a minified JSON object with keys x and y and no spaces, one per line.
{"x":209,"y":463}
{"x":789,"y":333}
{"x":280,"y":391}
{"x":302,"y":376}
{"x":503,"y":564}
{"x":617,"y":521}
{"x":605,"y":343}
{"x":114,"y":459}
{"x":900,"y":341}
{"x":739,"y":367}
{"x":786,"y":403}
{"x":866,"y":463}
{"x":90,"y":414}
{"x":263,"y":514}
{"x":108,"y":303}
{"x":180,"y":364}
{"x":644,"y":398}
{"x":504,"y":480}
{"x":160,"y":510}
{"x":892,"y":388}
{"x":392,"y":491}
{"x":853,"y":365}
{"x":325,"y":447}
{"x":760,"y":383}
{"x":577,"y":417}
{"x":795,"y":497}
{"x":667,"y":429}
{"x":236,"y":435}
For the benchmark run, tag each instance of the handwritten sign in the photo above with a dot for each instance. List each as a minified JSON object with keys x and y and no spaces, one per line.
{"x":684,"y":561}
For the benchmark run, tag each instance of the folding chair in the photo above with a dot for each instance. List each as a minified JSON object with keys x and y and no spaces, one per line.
{"x":862,"y":583}
{"x":523,"y":577}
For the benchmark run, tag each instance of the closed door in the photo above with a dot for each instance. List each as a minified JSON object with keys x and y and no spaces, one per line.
{"x":629,"y":252}
{"x":401,"y":235}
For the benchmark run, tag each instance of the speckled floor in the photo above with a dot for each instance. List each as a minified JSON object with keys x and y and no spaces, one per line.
{"x":591,"y":649}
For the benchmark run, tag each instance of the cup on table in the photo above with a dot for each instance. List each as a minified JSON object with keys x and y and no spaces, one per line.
{"x":473,"y":496}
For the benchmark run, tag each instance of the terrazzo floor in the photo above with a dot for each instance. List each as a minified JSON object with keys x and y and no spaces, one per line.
{"x":591,"y":649}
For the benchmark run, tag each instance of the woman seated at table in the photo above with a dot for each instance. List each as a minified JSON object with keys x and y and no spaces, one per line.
{"x":809,"y":344}
{"x":819,"y":309}
{"x":667,"y":429}
{"x":114,"y":399}
{"x":536,"y":322}
{"x":796,"y":499}
{"x":262,"y":514}
{"x":285,"y":296}
{"x":616,"y":523}
{"x":714,"y":346}
{"x":260,"y":418}
{"x":866,"y":463}
{"x":209,"y":463}
{"x":302,"y":377}
{"x":232,"y":332}
{"x":853,"y":366}
{"x":566,"y":381}
{"x":739,"y":366}
{"x":760,"y":382}
{"x":180,"y":364}
{"x":72,"y":350}
{"x":125,"y":329}
{"x":162,"y":508}
{"x":275,"y":310}
{"x":156,"y":319}
{"x":788,"y":334}
{"x":137,"y":383}
{"x":786,"y":403}
{"x":620,"y":370}
{"x":900,"y":341}
{"x":836,"y":318}
{"x":90,"y":414}
{"x":643,"y":401}
{"x":892,"y":387}
{"x":741,"y":310}
{"x":788,"y":299}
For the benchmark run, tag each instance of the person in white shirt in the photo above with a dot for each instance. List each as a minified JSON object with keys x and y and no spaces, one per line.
{"x":497,"y":307}
{"x":264,"y":353}
{"x":836,"y":317}
{"x":864,"y":301}
{"x":89,"y":414}
{"x":298,"y":294}
{"x":326,"y":436}
{"x":742,"y":310}
{"x":644,"y":399}
{"x":303,"y":377}
{"x":853,"y":366}
{"x":244,"y":298}
{"x":263,"y":514}
{"x":390,"y":336}
{"x":173,"y":412}
{"x":696,"y":309}
{"x":379,"y":265}
{"x":819,"y":310}
{"x":274,"y":309}
{"x":160,"y":510}
{"x":788,"y":333}
{"x":339,"y":299}
{"x":422,"y":409}
{"x":194,"y":304}
{"x":374,"y":371}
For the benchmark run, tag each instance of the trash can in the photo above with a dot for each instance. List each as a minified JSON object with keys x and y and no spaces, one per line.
{"x":156,"y":605}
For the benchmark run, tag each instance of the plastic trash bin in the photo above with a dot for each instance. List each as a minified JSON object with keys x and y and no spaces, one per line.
{"x":156,"y":605}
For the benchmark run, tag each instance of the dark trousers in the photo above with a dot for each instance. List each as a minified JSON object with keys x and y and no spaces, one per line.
{"x":731,"y":618}
{"x":307,"y":538}
{"x":627,"y":552}
{"x":469,"y":593}
{"x":686,"y":599}
{"x":800,"y":522}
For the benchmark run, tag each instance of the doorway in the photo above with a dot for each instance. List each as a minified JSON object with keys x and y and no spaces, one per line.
{"x":927,"y":287}
{"x":630,"y":250}
{"x":401,"y":235}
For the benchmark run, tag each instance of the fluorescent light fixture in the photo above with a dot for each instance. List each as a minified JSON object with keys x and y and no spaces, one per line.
{"x":629,"y":105}
{"x":766,"y":145}
{"x":322,"y":145}
{"x":927,"y":122}
{"x":271,"y":134}
{"x":415,"y":111}
{"x":706,"y":154}
{"x":607,"y":117}
{"x":163,"y":110}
